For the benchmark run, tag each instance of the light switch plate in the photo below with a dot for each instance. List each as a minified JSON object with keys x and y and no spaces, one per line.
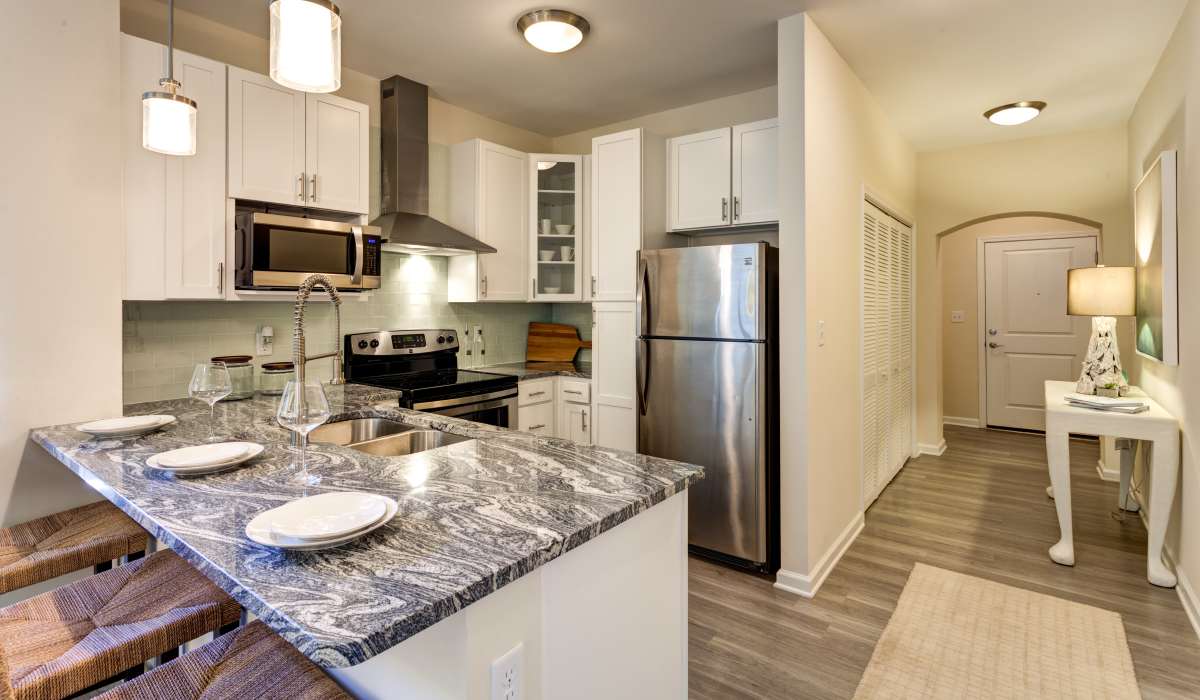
{"x":958,"y":316}
{"x":820,"y":334}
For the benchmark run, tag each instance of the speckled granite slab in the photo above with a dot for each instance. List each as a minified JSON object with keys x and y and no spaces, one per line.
{"x":536,"y":370}
{"x":473,"y":516}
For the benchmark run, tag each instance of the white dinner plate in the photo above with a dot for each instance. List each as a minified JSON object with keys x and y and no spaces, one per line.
{"x":127,"y":426}
{"x":259,"y":530}
{"x":202,"y":455}
{"x":327,"y":516}
{"x":252,"y":450}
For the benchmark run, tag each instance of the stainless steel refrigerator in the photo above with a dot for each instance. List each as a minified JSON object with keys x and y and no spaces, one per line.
{"x":707,"y":380}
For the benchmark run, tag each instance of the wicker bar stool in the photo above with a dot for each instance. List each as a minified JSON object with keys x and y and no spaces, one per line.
{"x":90,"y":631}
{"x":249,"y":662}
{"x":41,"y":549}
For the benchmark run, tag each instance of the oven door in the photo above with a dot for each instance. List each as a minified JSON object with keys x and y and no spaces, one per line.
{"x":498,"y":408}
{"x":279,"y":252}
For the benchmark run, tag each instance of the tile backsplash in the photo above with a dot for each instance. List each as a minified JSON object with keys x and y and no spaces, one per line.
{"x":164,"y":339}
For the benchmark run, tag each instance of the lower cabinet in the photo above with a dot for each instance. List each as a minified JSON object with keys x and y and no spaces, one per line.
{"x":614,"y":376}
{"x":556,"y":407}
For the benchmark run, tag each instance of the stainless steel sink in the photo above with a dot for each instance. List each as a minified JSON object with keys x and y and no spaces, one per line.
{"x":383,"y":437}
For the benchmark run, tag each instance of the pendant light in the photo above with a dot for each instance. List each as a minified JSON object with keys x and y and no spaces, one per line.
{"x":168,"y":118}
{"x":306,"y":45}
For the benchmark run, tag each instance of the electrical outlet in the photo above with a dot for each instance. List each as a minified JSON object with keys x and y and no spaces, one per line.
{"x":820,"y":334}
{"x":958,"y":316}
{"x":507,"y":674}
{"x":264,"y":340}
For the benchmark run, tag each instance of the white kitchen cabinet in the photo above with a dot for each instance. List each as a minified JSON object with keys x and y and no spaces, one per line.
{"x":173,"y":206}
{"x":537,"y":419}
{"x":623,"y":219}
{"x":724,"y":177}
{"x":575,"y":422}
{"x":698,"y":182}
{"x":555,"y":238}
{"x":613,"y":386}
{"x":488,"y":201}
{"x":584,"y":252}
{"x":755,"y":172}
{"x":290,"y":147}
{"x":337,"y":153}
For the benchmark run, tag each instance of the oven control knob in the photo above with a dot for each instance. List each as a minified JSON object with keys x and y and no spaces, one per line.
{"x":449,"y":339}
{"x":374,"y":343}
{"x":362,"y":345}
{"x":441,"y":339}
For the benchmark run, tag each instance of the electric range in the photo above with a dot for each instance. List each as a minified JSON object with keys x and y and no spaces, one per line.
{"x":423,"y":366}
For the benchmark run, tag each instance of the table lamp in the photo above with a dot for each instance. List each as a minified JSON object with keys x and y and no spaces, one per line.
{"x":1102,"y":293}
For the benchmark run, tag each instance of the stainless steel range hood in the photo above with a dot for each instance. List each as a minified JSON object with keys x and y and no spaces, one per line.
{"x":405,"y":221}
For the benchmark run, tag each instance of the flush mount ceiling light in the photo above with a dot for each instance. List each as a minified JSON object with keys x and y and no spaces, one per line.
{"x":168,"y":118}
{"x":1015,"y":113}
{"x":553,"y":31}
{"x":306,"y":45}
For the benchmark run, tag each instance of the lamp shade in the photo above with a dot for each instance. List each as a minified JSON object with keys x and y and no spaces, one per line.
{"x":306,"y":45}
{"x":1101,"y":291}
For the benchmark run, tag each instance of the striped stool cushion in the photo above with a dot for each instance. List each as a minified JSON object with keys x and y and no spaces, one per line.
{"x":249,"y":662}
{"x":76,"y":636}
{"x":58,"y":544}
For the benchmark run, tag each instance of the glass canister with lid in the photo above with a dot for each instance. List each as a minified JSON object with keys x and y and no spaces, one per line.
{"x":274,"y":377}
{"x":241,"y":376}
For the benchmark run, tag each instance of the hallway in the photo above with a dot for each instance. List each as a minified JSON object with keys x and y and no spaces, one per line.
{"x":979,"y":509}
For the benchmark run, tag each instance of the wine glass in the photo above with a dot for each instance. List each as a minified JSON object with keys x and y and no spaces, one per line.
{"x":303,"y":407}
{"x":210,"y":383}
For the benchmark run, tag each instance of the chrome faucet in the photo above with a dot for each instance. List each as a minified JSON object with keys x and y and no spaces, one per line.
{"x":299,"y":358}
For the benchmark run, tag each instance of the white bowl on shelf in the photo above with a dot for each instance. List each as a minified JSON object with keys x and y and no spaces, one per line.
{"x":545,"y":255}
{"x":564,"y":229}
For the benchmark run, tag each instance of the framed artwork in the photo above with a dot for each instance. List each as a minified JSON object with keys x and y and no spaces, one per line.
{"x":1155,"y":251}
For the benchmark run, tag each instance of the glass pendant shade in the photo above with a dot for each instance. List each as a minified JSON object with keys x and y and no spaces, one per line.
{"x":306,"y":45}
{"x":168,"y":124}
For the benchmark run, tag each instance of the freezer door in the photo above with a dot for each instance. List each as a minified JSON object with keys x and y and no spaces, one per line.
{"x":702,"y":402}
{"x":706,"y":292}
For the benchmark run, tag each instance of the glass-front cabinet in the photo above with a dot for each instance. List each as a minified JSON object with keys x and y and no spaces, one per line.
{"x":556,"y":222}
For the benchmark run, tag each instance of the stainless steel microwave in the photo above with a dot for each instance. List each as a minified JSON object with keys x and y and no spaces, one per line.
{"x":278,"y":252}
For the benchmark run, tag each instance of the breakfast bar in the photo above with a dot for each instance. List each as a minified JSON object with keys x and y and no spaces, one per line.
{"x":573,"y":558}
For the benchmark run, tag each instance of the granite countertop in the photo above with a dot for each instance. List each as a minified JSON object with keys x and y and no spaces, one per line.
{"x":473,"y":516}
{"x":537,"y":370}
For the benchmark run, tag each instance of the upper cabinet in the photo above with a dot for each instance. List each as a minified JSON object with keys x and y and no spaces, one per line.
{"x":289,"y":147}
{"x":556,"y":236}
{"x":488,"y":185}
{"x":173,"y":207}
{"x":724,"y":177}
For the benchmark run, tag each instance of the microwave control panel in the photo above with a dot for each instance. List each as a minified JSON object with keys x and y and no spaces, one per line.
{"x":371,"y":256}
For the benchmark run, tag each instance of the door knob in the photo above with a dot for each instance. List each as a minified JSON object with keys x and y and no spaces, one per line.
{"x":992,"y":331}
{"x":994,"y":345}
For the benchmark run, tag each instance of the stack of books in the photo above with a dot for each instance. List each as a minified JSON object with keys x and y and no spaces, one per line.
{"x":1103,"y":403}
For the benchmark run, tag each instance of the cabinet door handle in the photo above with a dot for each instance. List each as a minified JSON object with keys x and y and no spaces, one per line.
{"x":737,"y":208}
{"x":221,"y":279}
{"x":536,"y":393}
{"x":571,"y":391}
{"x":593,"y":285}
{"x":533,"y":286}
{"x":539,"y":426}
{"x":583,"y":419}
{"x":483,"y":286}
{"x":724,"y":209}
{"x":312,"y":194}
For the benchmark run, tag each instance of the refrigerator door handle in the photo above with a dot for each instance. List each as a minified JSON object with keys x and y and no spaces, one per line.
{"x":643,"y":297}
{"x":643,"y":375}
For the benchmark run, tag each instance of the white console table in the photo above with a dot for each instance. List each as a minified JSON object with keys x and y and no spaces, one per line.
{"x":1155,"y":426}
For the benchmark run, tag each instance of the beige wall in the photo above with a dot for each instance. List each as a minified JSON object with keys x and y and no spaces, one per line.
{"x":1081,"y":174}
{"x":836,"y":142}
{"x":1167,"y":116}
{"x":959,"y":254}
{"x":60,"y":356}
{"x":711,"y":114}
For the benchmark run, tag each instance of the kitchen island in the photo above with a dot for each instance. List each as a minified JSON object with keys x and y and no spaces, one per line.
{"x":576,"y":554}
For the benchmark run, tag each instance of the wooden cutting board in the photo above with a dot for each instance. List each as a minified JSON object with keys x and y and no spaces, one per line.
{"x":553,"y":342}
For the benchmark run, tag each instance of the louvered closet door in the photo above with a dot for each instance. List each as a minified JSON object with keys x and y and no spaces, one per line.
{"x":886,"y":349}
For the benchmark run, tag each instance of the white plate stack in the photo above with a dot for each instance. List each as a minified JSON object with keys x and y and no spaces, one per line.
{"x":323,"y":521}
{"x":205,"y":459}
{"x":128,"y":426}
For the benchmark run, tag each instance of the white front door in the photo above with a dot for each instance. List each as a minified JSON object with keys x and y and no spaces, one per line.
{"x":1028,"y":336}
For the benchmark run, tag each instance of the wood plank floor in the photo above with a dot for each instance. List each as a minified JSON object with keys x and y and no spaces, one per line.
{"x":979,"y":509}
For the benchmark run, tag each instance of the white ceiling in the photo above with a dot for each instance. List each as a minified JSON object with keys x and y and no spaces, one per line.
{"x":934,"y":65}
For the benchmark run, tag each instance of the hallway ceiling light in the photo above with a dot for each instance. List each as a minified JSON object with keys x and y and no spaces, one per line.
{"x":553,"y":31}
{"x":306,"y":45}
{"x":168,"y":118}
{"x":1015,"y":113}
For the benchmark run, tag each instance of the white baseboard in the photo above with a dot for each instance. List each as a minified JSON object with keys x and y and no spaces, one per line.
{"x":1183,"y":586}
{"x":807,"y":585}
{"x":960,"y":421}
{"x":936,"y":450}
{"x":1106,"y":473}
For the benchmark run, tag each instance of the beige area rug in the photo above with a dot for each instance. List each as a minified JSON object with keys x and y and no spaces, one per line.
{"x":958,"y":636}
